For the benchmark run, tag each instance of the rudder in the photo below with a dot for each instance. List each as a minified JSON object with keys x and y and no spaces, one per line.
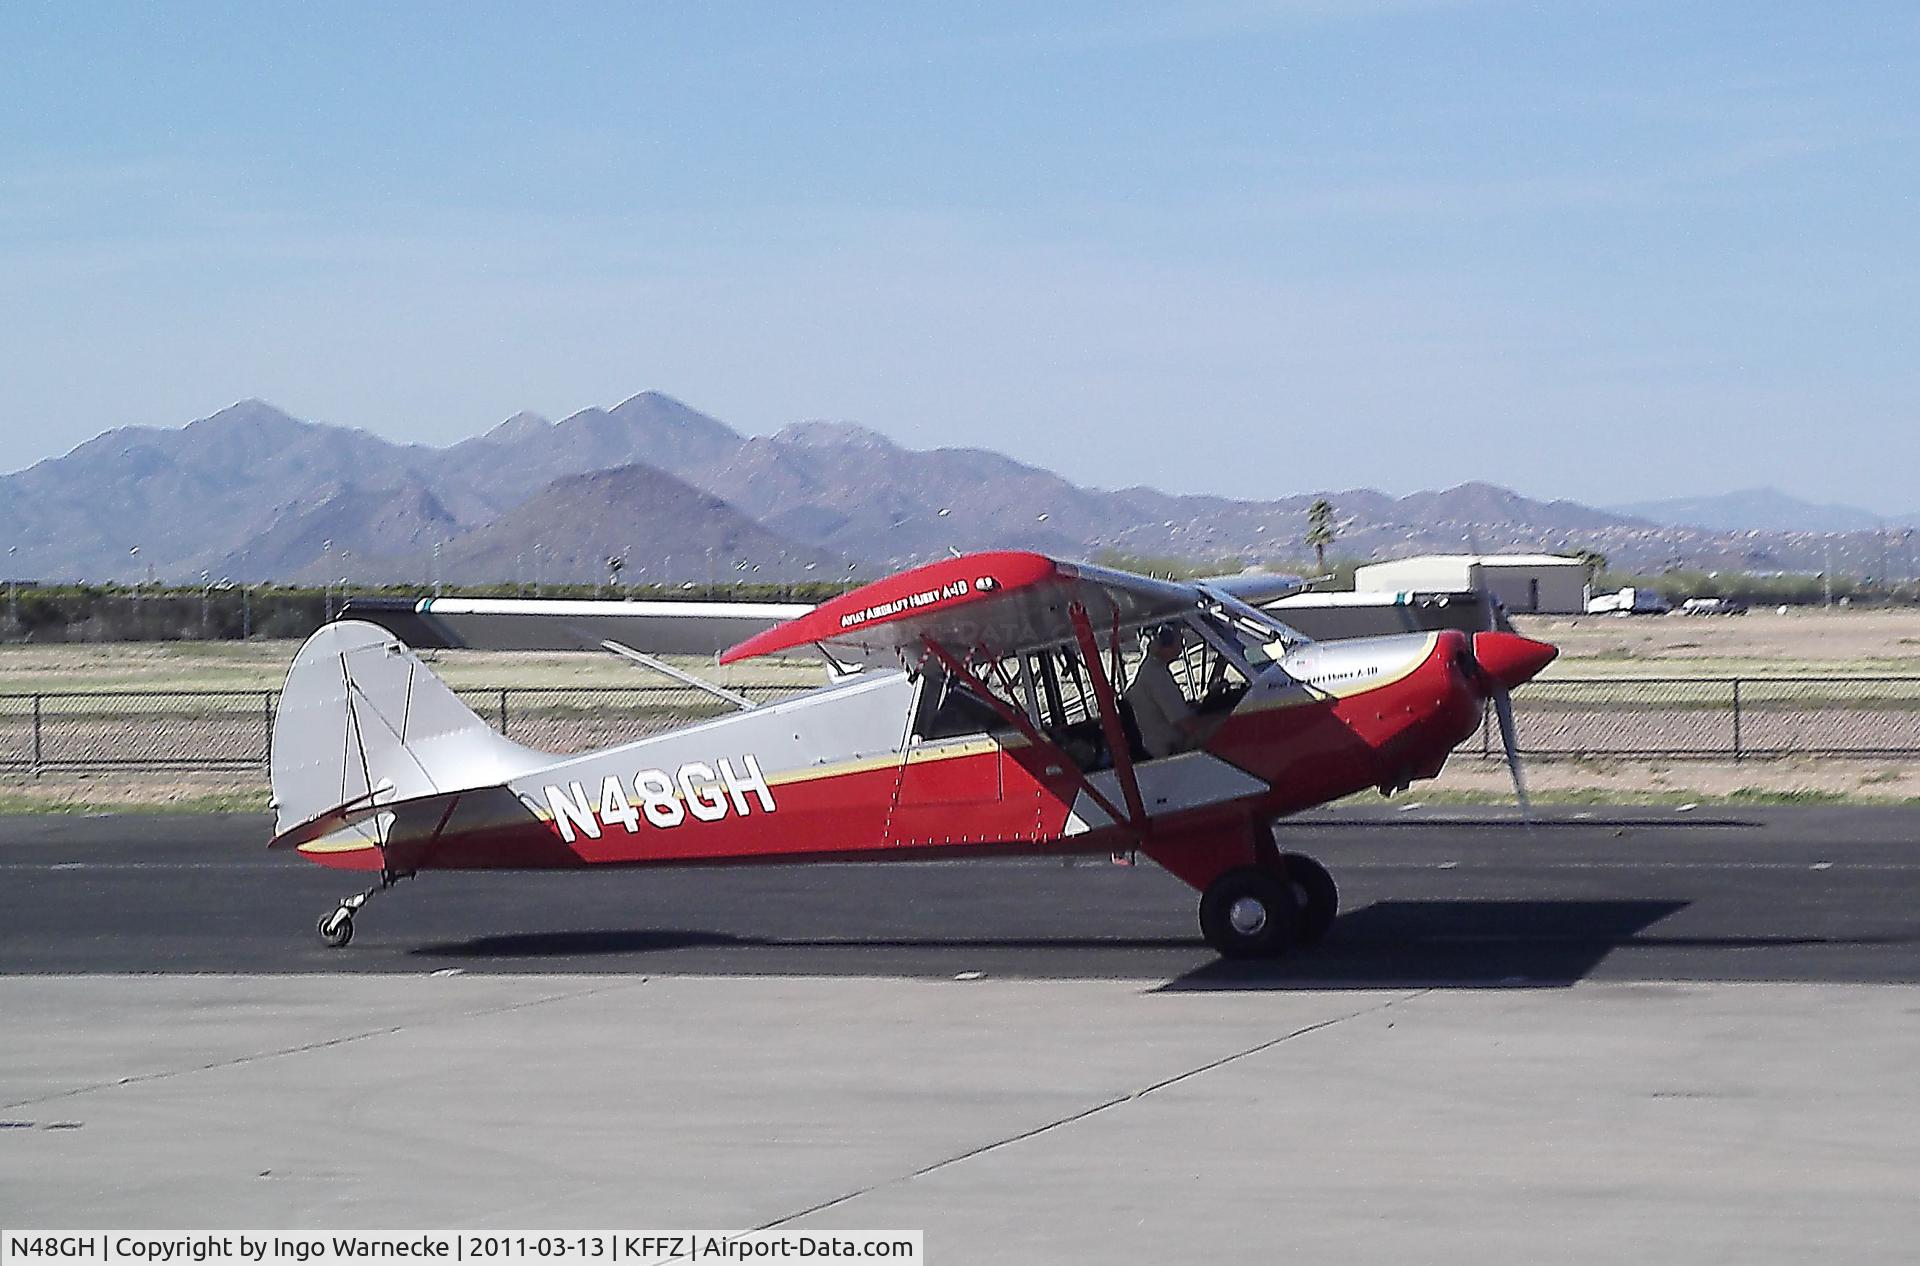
{"x":363,"y":721}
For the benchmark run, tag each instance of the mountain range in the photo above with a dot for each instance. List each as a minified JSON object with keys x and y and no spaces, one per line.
{"x":1762,"y":509}
{"x":251,"y":493}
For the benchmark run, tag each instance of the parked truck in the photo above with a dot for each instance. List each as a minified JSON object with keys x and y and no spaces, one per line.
{"x":1630,"y":600}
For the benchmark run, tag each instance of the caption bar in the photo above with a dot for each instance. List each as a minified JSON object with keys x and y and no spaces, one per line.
{"x":337,"y":1248}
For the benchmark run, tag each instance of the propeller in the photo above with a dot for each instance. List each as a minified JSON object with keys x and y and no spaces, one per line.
{"x":1506,"y":660}
{"x":1503,"y":709}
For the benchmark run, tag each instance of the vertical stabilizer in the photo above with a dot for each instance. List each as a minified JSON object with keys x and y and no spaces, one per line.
{"x":363,"y":721}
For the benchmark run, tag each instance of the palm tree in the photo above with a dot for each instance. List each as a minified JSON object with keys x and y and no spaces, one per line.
{"x":1320,"y":530}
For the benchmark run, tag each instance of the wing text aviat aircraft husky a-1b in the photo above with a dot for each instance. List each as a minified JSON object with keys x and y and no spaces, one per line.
{"x":997,"y":703}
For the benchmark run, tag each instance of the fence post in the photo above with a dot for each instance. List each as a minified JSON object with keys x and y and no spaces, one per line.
{"x":266,"y":717}
{"x":36,"y":735}
{"x":503,"y":713}
{"x":1737,"y":748}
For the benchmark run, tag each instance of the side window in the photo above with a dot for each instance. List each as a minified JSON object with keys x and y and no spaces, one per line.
{"x":949,"y":709}
{"x":1068,"y":711}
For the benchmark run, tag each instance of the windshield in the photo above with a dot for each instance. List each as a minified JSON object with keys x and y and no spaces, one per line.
{"x":1260,"y":637}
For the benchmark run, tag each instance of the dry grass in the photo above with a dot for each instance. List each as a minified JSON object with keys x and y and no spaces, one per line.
{"x":143,"y":791}
{"x":263,"y":666}
{"x":1763,"y":643}
{"x":1612,"y":781}
{"x":1760,"y":644}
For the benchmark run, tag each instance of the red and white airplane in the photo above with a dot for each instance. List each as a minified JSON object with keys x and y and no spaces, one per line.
{"x":996,"y":708}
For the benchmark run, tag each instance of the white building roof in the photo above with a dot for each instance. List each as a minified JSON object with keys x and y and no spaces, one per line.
{"x":1483,"y":560}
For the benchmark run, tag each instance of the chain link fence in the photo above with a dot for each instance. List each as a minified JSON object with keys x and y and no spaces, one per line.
{"x":233,"y":729}
{"x":1715,"y":718}
{"x":1718,"y":718}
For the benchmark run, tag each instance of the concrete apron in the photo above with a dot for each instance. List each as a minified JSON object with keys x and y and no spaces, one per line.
{"x":1015,"y":1121}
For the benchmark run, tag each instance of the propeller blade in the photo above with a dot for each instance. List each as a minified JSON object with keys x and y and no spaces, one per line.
{"x":1510,"y":739}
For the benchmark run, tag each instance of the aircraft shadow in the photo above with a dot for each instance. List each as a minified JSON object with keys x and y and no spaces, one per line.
{"x":1386,"y":945}
{"x":1512,"y":821}
{"x":1460,"y":944}
{"x":575,"y":944}
{"x":579,"y":944}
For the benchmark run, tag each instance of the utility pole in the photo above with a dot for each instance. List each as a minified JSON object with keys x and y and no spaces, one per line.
{"x":139,"y":601}
{"x":1826,"y":574}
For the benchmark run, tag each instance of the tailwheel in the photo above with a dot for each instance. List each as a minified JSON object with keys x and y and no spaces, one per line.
{"x":1315,"y":892}
{"x":336,"y":929}
{"x":336,"y":926}
{"x":1250,"y":912}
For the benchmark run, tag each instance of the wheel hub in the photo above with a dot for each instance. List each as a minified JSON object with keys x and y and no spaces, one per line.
{"x":1248,"y":915}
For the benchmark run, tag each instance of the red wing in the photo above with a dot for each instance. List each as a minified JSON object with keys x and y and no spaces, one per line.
{"x":1001,"y":602}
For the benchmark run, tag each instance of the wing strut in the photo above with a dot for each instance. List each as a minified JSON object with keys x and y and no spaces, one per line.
{"x":1110,"y":718}
{"x":1019,"y":721}
{"x":668,"y":670}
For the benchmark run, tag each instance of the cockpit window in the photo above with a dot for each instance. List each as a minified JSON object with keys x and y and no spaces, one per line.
{"x":1205,"y":675}
{"x":950,"y":709}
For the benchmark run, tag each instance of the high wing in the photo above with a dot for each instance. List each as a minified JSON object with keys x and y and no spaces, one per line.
{"x":995,"y":602}
{"x":708,"y":628}
{"x":535,"y":624}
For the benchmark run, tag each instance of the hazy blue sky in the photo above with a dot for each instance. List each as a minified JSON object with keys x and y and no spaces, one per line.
{"x":1604,"y":251}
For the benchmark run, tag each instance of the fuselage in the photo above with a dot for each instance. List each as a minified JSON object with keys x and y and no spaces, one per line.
{"x":836,"y":774}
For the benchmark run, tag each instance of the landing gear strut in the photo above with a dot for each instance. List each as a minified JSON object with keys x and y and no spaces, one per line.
{"x":336,"y":927}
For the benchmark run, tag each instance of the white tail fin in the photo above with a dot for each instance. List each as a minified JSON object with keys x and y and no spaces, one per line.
{"x":363,"y":721}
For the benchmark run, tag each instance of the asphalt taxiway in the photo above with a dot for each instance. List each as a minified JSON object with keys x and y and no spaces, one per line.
{"x":1429,"y":897}
{"x":1643,"y":1035}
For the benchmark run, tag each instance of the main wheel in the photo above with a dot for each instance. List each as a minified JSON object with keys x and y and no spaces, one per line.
{"x":1314,"y":891}
{"x":1249,"y":913}
{"x":336,"y":929}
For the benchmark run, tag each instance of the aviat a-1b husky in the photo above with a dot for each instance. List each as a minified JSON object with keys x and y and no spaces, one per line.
{"x":1000,"y":707}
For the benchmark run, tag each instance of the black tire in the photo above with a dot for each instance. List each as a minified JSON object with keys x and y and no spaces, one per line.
{"x":336,"y":929}
{"x":1249,"y":913}
{"x":1316,"y":894}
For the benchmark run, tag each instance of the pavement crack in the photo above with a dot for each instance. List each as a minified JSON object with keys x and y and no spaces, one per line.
{"x":346,"y":1039}
{"x":1090,"y":1111}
